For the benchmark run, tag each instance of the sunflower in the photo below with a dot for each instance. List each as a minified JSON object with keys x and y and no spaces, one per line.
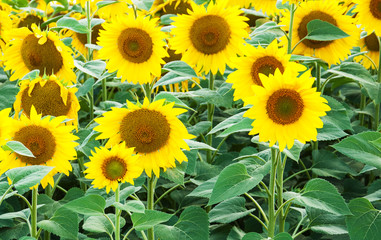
{"x":266,"y":6}
{"x":27,"y":19}
{"x":369,"y":15}
{"x":170,"y":7}
{"x":49,"y":97}
{"x":51,"y":143}
{"x":256,"y":62}
{"x":134,"y":47}
{"x":109,"y":167}
{"x":286,"y":108}
{"x":370,"y":44}
{"x":38,"y":50}
{"x":5,"y":26}
{"x":240,"y":3}
{"x":329,"y":11}
{"x":153,"y":129}
{"x":209,"y":38}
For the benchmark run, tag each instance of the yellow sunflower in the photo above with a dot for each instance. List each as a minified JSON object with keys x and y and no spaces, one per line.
{"x":38,"y":50}
{"x":329,"y":11}
{"x":49,"y":97}
{"x":209,"y":38}
{"x":369,"y":15}
{"x":5,"y":7}
{"x":266,"y":6}
{"x":170,"y":7}
{"x":51,"y":143}
{"x":240,"y":3}
{"x":27,"y":19}
{"x":153,"y":129}
{"x":286,"y":108}
{"x":5,"y":125}
{"x":133,"y":47}
{"x":370,"y":44}
{"x":5,"y":25}
{"x":259,"y":61}
{"x":118,"y":8}
{"x":108,"y":167}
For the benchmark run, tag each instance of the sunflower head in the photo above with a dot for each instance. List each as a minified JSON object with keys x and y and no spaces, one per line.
{"x":133,"y":47}
{"x":49,"y":97}
{"x":109,"y":167}
{"x":370,"y":44}
{"x":41,"y":50}
{"x":27,"y":19}
{"x":171,"y":7}
{"x":286,"y":108}
{"x":152,"y":129}
{"x":51,"y":143}
{"x":209,"y":38}
{"x":369,"y":15}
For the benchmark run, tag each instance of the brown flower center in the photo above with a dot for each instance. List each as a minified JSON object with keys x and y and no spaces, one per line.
{"x":210,"y":34}
{"x":375,"y":8}
{"x":177,"y":7}
{"x":114,"y":168}
{"x":45,"y":57}
{"x":29,"y":20}
{"x":135,"y":45}
{"x":94,"y":35}
{"x":146,"y":130}
{"x":302,"y":29}
{"x":39,"y":140}
{"x":47,"y":100}
{"x":285,"y":106}
{"x":265,"y":65}
{"x":371,"y":42}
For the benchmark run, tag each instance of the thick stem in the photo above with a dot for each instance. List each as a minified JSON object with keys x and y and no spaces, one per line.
{"x":209,"y":139}
{"x":117,"y":215}
{"x":289,"y":46}
{"x":150,"y":202}
{"x":34,"y":213}
{"x":280,"y":171}
{"x":271,"y":202}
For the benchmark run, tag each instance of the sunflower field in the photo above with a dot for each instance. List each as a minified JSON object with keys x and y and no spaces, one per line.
{"x":190,"y":119}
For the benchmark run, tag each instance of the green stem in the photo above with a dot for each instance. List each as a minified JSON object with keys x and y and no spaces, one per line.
{"x":147,"y":91}
{"x":280,"y":171}
{"x":34,"y":213}
{"x":150,"y":202}
{"x":218,"y":148}
{"x":210,"y":119}
{"x":55,"y":185}
{"x":292,"y":12}
{"x":117,"y":215}
{"x":5,"y":194}
{"x":81,"y":165}
{"x":259,"y":207}
{"x":318,"y":76}
{"x":88,"y":16}
{"x":25,"y":200}
{"x":271,"y":202}
{"x":362,"y":107}
{"x":128,"y":233}
{"x":104,"y":89}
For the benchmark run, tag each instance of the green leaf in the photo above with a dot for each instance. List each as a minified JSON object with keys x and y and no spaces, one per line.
{"x":170,"y":78}
{"x":229,"y":210}
{"x":180,"y":68}
{"x":85,"y":88}
{"x":131,"y":206}
{"x":175,"y":175}
{"x":98,"y":224}
{"x":228,"y":122}
{"x":64,"y":224}
{"x":170,"y":98}
{"x":198,"y":145}
{"x":233,"y":181}
{"x":192,"y":225}
{"x":359,"y":148}
{"x":253,"y":236}
{"x":24,"y":178}
{"x":283,"y":236}
{"x":365,"y":222}
{"x":19,"y":148}
{"x":327,"y":164}
{"x":94,"y":68}
{"x":242,"y":126}
{"x":102,"y":4}
{"x":90,"y":205}
{"x":8,"y":92}
{"x":72,"y":24}
{"x":330,"y":229}
{"x":148,"y":219}
{"x":23,"y":214}
{"x":319,"y":30}
{"x":199,"y":128}
{"x":320,"y":194}
{"x":204,"y":189}
{"x":203,"y":96}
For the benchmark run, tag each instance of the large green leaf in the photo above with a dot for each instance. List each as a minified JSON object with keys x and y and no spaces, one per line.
{"x":319,"y":30}
{"x":360,"y":148}
{"x":24,"y":178}
{"x":91,"y":205}
{"x":72,"y":24}
{"x":64,"y":224}
{"x":233,"y":181}
{"x":192,"y":225}
{"x":204,"y":189}
{"x":365,"y":222}
{"x":98,"y":224}
{"x":131,"y":206}
{"x":180,"y":68}
{"x":320,"y":194}
{"x":19,"y":148}
{"x":327,"y":164}
{"x":229,"y":210}
{"x":148,"y":219}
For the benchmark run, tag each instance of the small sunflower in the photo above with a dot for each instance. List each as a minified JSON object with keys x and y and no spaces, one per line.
{"x":38,"y":50}
{"x":171,"y":7}
{"x":369,"y":15}
{"x":209,"y":38}
{"x":49,"y":97}
{"x":51,"y":143}
{"x":329,"y":11}
{"x":152,"y":129}
{"x":108,"y":167}
{"x":133,"y":47}
{"x":370,"y":44}
{"x":286,"y":108}
{"x":27,"y":19}
{"x":256,"y":62}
